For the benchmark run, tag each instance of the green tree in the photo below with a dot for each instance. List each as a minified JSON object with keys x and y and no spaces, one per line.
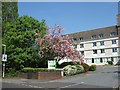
{"x":9,"y":14}
{"x":20,"y":42}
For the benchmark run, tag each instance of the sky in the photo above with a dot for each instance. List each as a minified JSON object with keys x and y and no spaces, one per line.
{"x":72,"y":16}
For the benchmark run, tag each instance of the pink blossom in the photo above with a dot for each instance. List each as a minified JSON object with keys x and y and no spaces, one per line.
{"x":61,"y":45}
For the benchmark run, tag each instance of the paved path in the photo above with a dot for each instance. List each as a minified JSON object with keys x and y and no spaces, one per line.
{"x":103,"y":77}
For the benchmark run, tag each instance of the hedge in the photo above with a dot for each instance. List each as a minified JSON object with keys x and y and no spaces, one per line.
{"x":28,"y":69}
{"x":92,"y":68}
{"x":86,"y":67}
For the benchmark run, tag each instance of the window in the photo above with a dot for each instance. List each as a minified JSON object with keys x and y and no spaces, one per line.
{"x":114,"y":41}
{"x":92,"y":60}
{"x":75,"y":45}
{"x":114,"y":49}
{"x":112,"y":34}
{"x":94,"y":44}
{"x":100,"y":35}
{"x":93,"y":37}
{"x":112,"y":59}
{"x":102,"y":50}
{"x":75,"y":39}
{"x":94,"y":51}
{"x":101,"y":43}
{"x":81,"y":45}
{"x":82,"y":52}
{"x":81,"y":38}
{"x":101,"y":60}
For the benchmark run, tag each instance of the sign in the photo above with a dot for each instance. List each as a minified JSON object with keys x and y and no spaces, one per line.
{"x":51,"y":64}
{"x":4,"y":57}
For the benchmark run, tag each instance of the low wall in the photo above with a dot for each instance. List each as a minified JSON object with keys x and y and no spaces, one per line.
{"x":41,"y":75}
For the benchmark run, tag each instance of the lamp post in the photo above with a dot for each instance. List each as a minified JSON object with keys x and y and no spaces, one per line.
{"x":3,"y":75}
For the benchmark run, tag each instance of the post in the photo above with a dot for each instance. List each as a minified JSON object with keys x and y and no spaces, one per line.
{"x":4,"y":62}
{"x":3,"y":70}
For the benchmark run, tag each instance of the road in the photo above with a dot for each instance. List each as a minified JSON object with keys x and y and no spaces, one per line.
{"x":104,"y":77}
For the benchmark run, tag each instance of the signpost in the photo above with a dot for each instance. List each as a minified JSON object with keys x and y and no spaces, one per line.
{"x":4,"y":59}
{"x":51,"y":64}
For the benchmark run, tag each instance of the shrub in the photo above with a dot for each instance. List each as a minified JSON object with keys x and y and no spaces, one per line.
{"x":65,"y":69}
{"x":28,"y":69}
{"x":70,"y":70}
{"x":86,"y":67}
{"x":92,"y":68}
{"x":110,"y":62}
{"x":80,"y":69}
{"x":73,"y":69}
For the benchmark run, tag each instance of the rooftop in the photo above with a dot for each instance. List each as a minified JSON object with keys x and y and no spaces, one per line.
{"x":100,"y":33}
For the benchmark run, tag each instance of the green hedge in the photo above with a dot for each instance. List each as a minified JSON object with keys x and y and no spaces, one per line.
{"x":110,"y":62}
{"x":86,"y":67}
{"x":92,"y":68}
{"x":28,"y":69}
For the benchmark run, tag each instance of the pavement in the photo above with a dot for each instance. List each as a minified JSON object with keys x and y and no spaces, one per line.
{"x":105,"y":77}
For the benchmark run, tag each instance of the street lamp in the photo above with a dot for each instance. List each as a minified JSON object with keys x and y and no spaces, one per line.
{"x":3,"y":60}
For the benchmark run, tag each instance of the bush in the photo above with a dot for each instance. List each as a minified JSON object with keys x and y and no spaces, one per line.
{"x":110,"y":62}
{"x":28,"y":69}
{"x":80,"y":69}
{"x":65,"y":69}
{"x":86,"y":67}
{"x":73,"y":69}
{"x":92,"y":68}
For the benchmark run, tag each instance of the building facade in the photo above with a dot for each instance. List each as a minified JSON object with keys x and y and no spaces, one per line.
{"x":98,"y":46}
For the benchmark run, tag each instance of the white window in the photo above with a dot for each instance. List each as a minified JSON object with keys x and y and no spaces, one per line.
{"x":93,"y":37}
{"x":112,"y":34}
{"x":102,"y":50}
{"x":75,"y":39}
{"x":81,"y":38}
{"x":101,"y":43}
{"x":82,"y":52}
{"x":94,"y":44}
{"x":100,"y":35}
{"x":81,"y":45}
{"x":114,"y":41}
{"x":114,"y":49}
{"x":94,"y":51}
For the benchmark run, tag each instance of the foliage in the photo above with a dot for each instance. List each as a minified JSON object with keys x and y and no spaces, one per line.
{"x":11,"y":73}
{"x":55,"y":45}
{"x":92,"y":68}
{"x":20,"y":43}
{"x":68,"y":70}
{"x":73,"y":69}
{"x":9,"y":14}
{"x":86,"y":67}
{"x":110,"y":62}
{"x":28,"y":69}
{"x":80,"y":69}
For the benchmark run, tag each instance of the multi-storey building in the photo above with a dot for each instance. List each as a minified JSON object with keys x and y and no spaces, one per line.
{"x":98,"y":46}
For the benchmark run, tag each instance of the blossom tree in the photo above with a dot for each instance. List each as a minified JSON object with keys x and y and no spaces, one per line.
{"x":55,"y":45}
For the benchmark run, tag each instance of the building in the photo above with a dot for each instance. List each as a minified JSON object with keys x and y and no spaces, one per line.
{"x":98,"y":46}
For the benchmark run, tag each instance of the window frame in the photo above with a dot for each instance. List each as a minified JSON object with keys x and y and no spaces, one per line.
{"x":94,"y":44}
